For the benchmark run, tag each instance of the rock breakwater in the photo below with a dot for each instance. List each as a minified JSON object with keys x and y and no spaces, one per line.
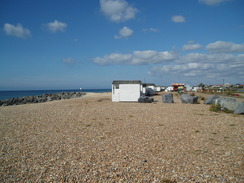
{"x":41,"y":98}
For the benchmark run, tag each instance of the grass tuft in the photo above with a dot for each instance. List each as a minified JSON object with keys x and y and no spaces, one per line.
{"x":164,"y":180}
{"x":215,"y":108}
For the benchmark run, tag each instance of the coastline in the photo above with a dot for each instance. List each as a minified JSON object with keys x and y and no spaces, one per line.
{"x":8,"y":94}
{"x":91,"y":139}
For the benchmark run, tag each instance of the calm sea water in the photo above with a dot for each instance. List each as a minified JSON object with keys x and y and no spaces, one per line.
{"x":24,"y":93}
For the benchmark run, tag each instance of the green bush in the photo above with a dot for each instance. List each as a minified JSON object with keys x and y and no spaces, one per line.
{"x":215,"y":108}
{"x":227,"y":111}
{"x":192,"y":94}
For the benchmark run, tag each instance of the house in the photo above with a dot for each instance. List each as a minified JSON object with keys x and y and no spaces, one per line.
{"x":169,"y":89}
{"x":157,"y":88}
{"x":126,"y":91}
{"x":188,"y":88}
{"x":195,"y":88}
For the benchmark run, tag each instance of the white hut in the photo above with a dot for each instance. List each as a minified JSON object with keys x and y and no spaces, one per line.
{"x":126,"y":91}
{"x":157,"y":88}
{"x":169,"y":89}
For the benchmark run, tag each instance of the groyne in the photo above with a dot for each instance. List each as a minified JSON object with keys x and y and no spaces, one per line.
{"x":41,"y":98}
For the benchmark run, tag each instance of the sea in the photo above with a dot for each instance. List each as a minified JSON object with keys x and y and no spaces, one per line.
{"x":24,"y":93}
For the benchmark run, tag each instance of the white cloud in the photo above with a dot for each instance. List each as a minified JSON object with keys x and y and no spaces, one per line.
{"x":225,"y":47}
{"x":56,"y":26}
{"x":201,"y":70}
{"x":124,"y":33}
{"x":212,"y":2}
{"x":18,"y":30}
{"x":188,"y":47}
{"x":210,"y":58}
{"x":137,"y":58}
{"x":118,"y":10}
{"x":211,"y":67}
{"x":150,"y":29}
{"x":69,"y":61}
{"x":201,"y":65}
{"x":178,"y":19}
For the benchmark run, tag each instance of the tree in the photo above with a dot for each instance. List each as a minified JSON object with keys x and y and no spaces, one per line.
{"x":201,"y":85}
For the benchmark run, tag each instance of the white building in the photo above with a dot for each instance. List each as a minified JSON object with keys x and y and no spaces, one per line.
{"x":126,"y":91}
{"x":169,"y":89}
{"x":195,"y":88}
{"x":157,"y":88}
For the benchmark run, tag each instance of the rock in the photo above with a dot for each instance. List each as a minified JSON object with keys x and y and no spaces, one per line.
{"x":240,"y":109}
{"x":186,"y":98}
{"x":40,"y":98}
{"x":49,"y":99}
{"x":231,"y":105}
{"x":212,"y":99}
{"x":145,"y":99}
{"x":168,"y":98}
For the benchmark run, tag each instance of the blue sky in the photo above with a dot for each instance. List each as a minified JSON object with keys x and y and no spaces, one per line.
{"x":68,"y":44}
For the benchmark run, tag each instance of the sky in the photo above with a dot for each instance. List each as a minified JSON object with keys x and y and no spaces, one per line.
{"x":71,"y":44}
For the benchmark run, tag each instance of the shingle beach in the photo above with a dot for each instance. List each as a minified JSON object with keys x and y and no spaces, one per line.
{"x":92,"y":139}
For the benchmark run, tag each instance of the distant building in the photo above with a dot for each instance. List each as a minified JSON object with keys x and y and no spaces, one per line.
{"x":126,"y":91}
{"x":148,"y":89}
{"x":196,"y":88}
{"x":188,"y":87}
{"x":169,"y":89}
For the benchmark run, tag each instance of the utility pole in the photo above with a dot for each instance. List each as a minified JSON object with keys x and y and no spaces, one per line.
{"x":223,"y":87}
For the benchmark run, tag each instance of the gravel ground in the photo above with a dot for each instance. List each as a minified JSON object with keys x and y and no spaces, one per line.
{"x":92,"y":139}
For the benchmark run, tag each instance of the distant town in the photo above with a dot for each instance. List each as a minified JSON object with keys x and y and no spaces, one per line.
{"x":227,"y":88}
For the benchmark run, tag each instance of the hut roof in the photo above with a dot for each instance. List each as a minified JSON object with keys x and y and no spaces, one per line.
{"x":127,"y":82}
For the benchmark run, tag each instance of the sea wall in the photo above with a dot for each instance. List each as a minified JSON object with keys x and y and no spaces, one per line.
{"x":41,"y":98}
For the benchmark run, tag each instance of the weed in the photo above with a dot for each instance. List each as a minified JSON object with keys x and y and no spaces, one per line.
{"x":164,"y":180}
{"x":214,"y":133}
{"x":215,"y":108}
{"x":192,"y":94}
{"x":202,"y":98}
{"x":160,"y":124}
{"x":227,"y":111}
{"x":102,"y":99}
{"x":197,"y":131}
{"x":232,"y":125}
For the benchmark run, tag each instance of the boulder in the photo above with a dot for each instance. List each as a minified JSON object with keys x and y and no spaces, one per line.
{"x":168,"y":98}
{"x":40,"y":98}
{"x":188,"y":99}
{"x":145,"y":99}
{"x":212,"y":99}
{"x":49,"y":99}
{"x":231,"y":105}
{"x":240,"y":109}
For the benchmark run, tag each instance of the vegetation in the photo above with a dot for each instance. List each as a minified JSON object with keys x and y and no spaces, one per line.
{"x":217,"y":108}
